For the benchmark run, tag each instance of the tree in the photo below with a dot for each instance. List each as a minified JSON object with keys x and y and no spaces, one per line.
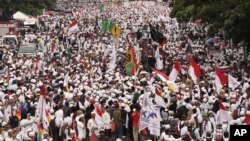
{"x":229,"y":15}
{"x":31,"y":7}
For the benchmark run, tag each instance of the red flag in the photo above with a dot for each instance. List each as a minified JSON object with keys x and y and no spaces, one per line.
{"x":160,"y":74}
{"x":247,"y":120}
{"x":73,"y":27}
{"x":223,"y":114}
{"x":194,"y":69}
{"x":223,"y":78}
{"x":175,"y":71}
{"x":98,"y":110}
{"x":220,"y":79}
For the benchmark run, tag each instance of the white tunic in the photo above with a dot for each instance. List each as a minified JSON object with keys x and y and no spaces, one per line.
{"x":81,"y":129}
{"x":106,"y":120}
{"x":92,"y":126}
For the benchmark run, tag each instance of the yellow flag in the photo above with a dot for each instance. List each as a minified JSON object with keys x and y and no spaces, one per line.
{"x":172,"y":86}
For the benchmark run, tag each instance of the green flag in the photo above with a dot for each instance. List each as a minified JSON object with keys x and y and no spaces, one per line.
{"x":107,"y":26}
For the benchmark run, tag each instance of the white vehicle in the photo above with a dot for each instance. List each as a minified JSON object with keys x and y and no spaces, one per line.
{"x":8,"y":39}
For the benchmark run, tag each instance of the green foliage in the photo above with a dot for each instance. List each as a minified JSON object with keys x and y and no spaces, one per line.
{"x":230,"y":15}
{"x":31,"y":7}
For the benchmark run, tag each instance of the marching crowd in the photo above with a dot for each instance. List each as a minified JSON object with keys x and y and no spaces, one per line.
{"x":88,"y":98}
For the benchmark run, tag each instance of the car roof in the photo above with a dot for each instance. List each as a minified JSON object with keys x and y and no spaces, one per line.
{"x":9,"y":36}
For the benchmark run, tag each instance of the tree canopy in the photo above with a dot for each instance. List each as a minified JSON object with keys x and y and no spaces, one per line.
{"x":229,"y":15}
{"x":31,"y":7}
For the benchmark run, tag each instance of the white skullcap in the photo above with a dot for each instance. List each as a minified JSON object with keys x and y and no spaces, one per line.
{"x":6,"y":84}
{"x":40,"y":84}
{"x":72,"y":131}
{"x":11,"y":97}
{"x":4,"y":123}
{"x":204,"y":99}
{"x":113,"y":95}
{"x":242,"y":113}
{"x":32,"y":134}
{"x":37,"y":90}
{"x":167,"y":126}
{"x":196,"y":95}
{"x":248,"y":113}
{"x":33,"y":81}
{"x":144,"y":79}
{"x":233,"y":96}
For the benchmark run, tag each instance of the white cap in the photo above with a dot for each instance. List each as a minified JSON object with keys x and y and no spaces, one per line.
{"x":72,"y":131}
{"x":32,"y":134}
{"x":167,"y":126}
{"x":4,"y":123}
{"x":196,"y":95}
{"x":242,"y":113}
{"x":248,"y":113}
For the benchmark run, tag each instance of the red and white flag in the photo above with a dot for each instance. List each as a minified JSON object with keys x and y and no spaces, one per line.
{"x":73,"y":27}
{"x":194,"y":69}
{"x":161,"y":75}
{"x":220,"y":79}
{"x":232,"y":82}
{"x":98,"y":115}
{"x":175,"y":71}
{"x":159,"y":99}
{"x":222,"y":114}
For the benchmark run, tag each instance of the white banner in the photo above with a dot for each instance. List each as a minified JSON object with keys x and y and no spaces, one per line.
{"x":149,"y":117}
{"x":155,"y":126}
